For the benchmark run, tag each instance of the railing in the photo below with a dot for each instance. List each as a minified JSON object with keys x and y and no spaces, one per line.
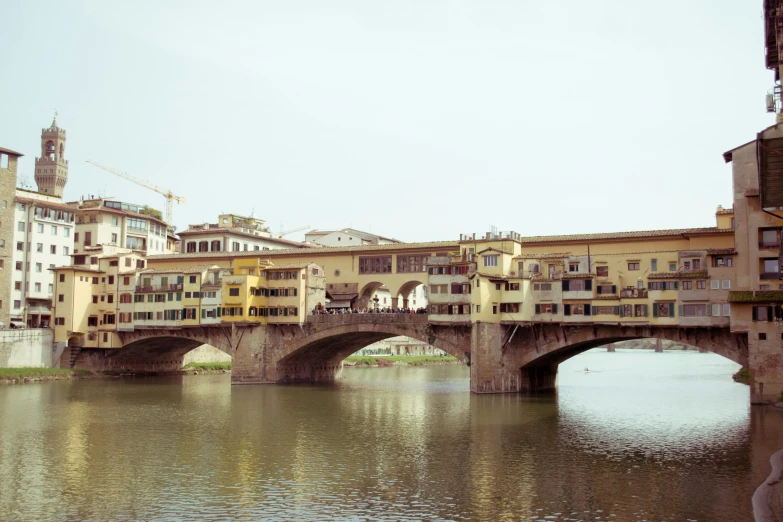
{"x":367,"y":318}
{"x":159,"y":288}
{"x":634,"y":292}
{"x":765,"y":245}
{"x":769,"y":276}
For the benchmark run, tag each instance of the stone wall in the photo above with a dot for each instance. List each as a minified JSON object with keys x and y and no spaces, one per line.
{"x":26,"y":348}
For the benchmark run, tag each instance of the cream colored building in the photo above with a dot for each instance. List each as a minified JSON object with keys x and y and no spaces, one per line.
{"x":232,"y":233}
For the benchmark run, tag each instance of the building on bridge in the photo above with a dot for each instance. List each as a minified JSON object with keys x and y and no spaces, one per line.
{"x":232,"y":233}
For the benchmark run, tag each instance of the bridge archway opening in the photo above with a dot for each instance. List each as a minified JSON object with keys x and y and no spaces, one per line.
{"x":540,"y":373}
{"x":367,"y":294}
{"x":407,"y":297}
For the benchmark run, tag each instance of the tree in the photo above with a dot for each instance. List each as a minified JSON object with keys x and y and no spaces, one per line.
{"x":149,"y":211}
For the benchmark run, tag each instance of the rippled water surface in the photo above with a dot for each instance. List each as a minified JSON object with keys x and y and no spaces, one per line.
{"x":641,"y":436}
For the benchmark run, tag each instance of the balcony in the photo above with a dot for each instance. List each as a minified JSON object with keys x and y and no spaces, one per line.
{"x":159,"y":288}
{"x":766,"y":245}
{"x":639,"y":293}
{"x":767,"y":276}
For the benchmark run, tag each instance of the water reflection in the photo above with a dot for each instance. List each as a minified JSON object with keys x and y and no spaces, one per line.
{"x":641,"y":436}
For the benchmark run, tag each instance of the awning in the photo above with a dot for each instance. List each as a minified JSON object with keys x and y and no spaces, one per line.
{"x":338,"y":304}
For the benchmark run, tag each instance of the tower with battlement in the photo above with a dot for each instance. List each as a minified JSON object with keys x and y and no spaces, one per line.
{"x":51,"y":169}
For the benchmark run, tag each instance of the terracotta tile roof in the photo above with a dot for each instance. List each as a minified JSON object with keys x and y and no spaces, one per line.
{"x":79,"y":268}
{"x":198,"y":269}
{"x":724,"y":211}
{"x":752,"y":193}
{"x":369,"y":249}
{"x":543,"y":256}
{"x":110,"y":210}
{"x":304,"y":264}
{"x":679,"y":275}
{"x":606,"y":298}
{"x":183,"y":234}
{"x":578,"y":276}
{"x":624,"y":235}
{"x":720,"y":251}
{"x":492,"y":249}
{"x":44,"y":203}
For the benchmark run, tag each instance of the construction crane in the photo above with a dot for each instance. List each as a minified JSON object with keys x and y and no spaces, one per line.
{"x":169,"y":195}
{"x":286,"y":232}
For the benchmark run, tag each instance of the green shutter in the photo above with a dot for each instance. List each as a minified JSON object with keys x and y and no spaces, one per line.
{"x":646,"y":310}
{"x":554,"y":308}
{"x":649,"y":285}
{"x":679,"y":310}
{"x":616,"y":310}
{"x":655,"y":310}
{"x":566,"y":309}
{"x":676,"y":285}
{"x":671,"y":309}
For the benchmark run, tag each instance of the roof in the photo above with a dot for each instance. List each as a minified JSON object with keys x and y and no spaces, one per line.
{"x":116,"y":211}
{"x":543,"y":256}
{"x":358,"y":249}
{"x":79,"y":268}
{"x":491,"y":249}
{"x":230,"y":231}
{"x":701,"y":274}
{"x":724,"y":211}
{"x":578,"y":276}
{"x":44,"y":203}
{"x":727,"y":156}
{"x":304,"y":264}
{"x":720,"y":251}
{"x":192,"y":270}
{"x":640,"y":234}
{"x":10,"y":152}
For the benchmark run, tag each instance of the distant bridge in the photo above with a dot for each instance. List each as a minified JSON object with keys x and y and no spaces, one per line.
{"x":502,"y":357}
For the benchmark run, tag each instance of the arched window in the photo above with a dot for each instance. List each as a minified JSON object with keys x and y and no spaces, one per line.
{"x":49,"y":150}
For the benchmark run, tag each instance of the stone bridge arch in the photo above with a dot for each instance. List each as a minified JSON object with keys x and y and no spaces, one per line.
{"x":159,"y":349}
{"x":315,"y":351}
{"x":536,"y":350}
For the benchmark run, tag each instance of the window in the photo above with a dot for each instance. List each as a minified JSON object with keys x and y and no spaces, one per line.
{"x":39,"y":247}
{"x":192,"y":279}
{"x":607,"y":289}
{"x":509,"y":308}
{"x":510,"y":287}
{"x":577,"y":285}
{"x":108,"y":319}
{"x":53,"y":249}
{"x":572,"y":267}
{"x":234,"y":292}
{"x":409,"y":264}
{"x":38,"y":267}
{"x":697,"y":264}
{"x":20,"y":246}
{"x":725,"y":284}
{"x":94,"y":260}
{"x":37,"y":287}
{"x":95,"y":299}
{"x":663,"y":310}
{"x":714,"y":284}
{"x":17,"y":285}
{"x":59,"y":321}
{"x":694,"y":310}
{"x":606,"y":310}
{"x":653,"y":265}
{"x":726,"y":310}
{"x":663,"y":285}
{"x":722,"y":261}
{"x":137,"y":224}
{"x":762,"y":313}
{"x":114,"y":238}
{"x":533,"y":268}
{"x":633,"y":266}
{"x":54,"y":230}
{"x":115,"y":221}
{"x":491,"y":260}
{"x":375,"y":265}
{"x":62,"y":278}
{"x":715,"y":310}
{"x":546,"y":308}
{"x":602,"y":271}
{"x":66,"y":251}
{"x":687,"y":285}
{"x":672,"y":267}
{"x":92,"y":320}
{"x":18,"y":265}
{"x":762,"y":337}
{"x":17,"y":304}
{"x":20,"y":226}
{"x":544,"y":287}
{"x":66,"y":232}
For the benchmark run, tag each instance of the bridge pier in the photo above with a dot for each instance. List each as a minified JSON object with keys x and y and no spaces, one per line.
{"x":610,"y":347}
{"x":488,"y":370}
{"x":658,"y":345}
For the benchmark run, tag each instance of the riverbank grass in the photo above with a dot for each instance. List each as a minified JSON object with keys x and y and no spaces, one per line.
{"x":8,"y":374}
{"x":413,"y":360}
{"x":212,"y":366}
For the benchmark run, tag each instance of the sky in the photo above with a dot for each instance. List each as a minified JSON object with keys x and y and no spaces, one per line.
{"x":418,"y":120}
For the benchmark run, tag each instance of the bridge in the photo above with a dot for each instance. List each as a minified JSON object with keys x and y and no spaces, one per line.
{"x":503,"y":358}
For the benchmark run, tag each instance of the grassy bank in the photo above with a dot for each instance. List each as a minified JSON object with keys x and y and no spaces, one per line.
{"x":413,"y":360}
{"x":44,"y":374}
{"x":209,"y":367}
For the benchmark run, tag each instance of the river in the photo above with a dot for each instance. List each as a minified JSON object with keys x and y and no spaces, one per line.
{"x":641,"y":436}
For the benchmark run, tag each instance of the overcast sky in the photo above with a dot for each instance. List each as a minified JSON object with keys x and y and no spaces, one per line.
{"x":419,"y":120}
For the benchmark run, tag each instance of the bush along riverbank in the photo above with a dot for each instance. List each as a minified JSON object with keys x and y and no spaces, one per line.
{"x":26,"y":375}
{"x":369,"y":361}
{"x":213,"y":367}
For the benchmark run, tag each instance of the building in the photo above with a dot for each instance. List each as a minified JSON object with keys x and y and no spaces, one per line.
{"x":110,"y":290}
{"x":105,"y":221}
{"x":347,"y":237}
{"x":51,"y":169}
{"x":9,"y":161}
{"x":232,"y":233}
{"x":43,"y":239}
{"x":37,"y":232}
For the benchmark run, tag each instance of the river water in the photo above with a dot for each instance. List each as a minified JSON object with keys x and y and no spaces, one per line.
{"x":641,"y":436}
